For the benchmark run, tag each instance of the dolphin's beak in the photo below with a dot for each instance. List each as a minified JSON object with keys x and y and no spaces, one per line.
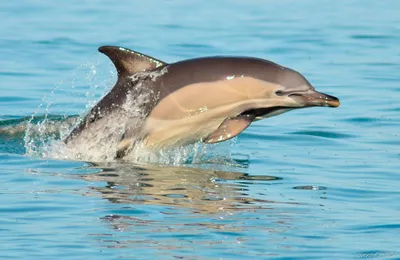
{"x":313,"y":98}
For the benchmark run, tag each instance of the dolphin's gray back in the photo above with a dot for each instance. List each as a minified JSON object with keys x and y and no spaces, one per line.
{"x":209,"y":69}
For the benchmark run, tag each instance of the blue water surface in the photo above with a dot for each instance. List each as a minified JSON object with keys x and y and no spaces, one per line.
{"x":309,"y":184}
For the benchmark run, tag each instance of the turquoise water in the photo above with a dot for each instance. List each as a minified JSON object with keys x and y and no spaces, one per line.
{"x":309,"y":184}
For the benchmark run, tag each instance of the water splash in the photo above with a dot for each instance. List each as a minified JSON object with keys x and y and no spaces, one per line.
{"x":198,"y":153}
{"x":44,"y":132}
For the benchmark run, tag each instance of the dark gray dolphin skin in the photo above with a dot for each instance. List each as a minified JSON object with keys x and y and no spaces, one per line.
{"x":210,"y":99}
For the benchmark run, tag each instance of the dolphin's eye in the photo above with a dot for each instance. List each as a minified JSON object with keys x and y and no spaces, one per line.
{"x":279,"y":93}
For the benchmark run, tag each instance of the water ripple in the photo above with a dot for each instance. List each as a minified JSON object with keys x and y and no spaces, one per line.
{"x":312,"y":184}
{"x":374,"y":37}
{"x":325,"y":134}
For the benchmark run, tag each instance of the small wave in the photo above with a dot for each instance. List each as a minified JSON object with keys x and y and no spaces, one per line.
{"x":9,"y":99}
{"x":53,"y":124}
{"x":364,"y":119}
{"x":325,"y":134}
{"x":310,"y":187}
{"x":13,"y":131}
{"x":373,"y":37}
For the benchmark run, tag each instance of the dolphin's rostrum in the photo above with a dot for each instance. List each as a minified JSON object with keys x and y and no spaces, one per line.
{"x":209,"y":99}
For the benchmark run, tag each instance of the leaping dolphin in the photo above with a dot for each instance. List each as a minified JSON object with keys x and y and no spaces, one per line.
{"x":210,"y":99}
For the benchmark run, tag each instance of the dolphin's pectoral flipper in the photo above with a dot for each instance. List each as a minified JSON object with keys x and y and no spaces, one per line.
{"x":123,"y":147}
{"x":126,"y":143}
{"x":230,"y":128}
{"x":129,"y":137}
{"x":128,"y":62}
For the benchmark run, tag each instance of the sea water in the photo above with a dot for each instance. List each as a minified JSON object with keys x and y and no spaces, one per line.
{"x":309,"y":184}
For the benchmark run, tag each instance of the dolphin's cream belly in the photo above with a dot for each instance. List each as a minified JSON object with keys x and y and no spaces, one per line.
{"x":200,"y":97}
{"x":195,"y":111}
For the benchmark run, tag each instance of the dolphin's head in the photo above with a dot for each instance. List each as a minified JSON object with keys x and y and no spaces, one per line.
{"x":296,"y":87}
{"x":287,"y":89}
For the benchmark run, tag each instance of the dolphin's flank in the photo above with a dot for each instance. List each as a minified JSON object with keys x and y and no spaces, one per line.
{"x":210,"y":99}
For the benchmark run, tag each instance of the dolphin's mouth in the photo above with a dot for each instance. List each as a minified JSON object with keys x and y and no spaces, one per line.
{"x":263,"y":112}
{"x":314,"y":98}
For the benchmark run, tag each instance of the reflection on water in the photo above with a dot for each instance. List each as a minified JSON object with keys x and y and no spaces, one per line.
{"x":179,"y":208}
{"x":200,"y":190}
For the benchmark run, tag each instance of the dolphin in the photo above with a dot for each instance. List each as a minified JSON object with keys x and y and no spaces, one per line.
{"x":208,"y":99}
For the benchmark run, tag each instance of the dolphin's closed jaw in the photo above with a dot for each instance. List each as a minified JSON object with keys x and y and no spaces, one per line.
{"x":312,"y":98}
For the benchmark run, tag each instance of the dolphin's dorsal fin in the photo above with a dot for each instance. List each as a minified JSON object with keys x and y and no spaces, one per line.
{"x":128,"y":62}
{"x":230,"y":128}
